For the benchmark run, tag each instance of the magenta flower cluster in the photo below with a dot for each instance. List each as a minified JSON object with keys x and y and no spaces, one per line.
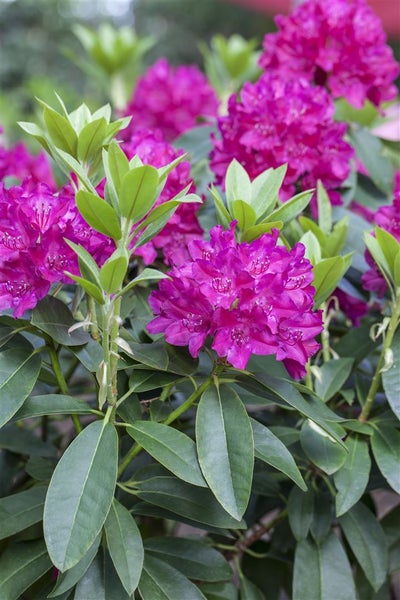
{"x":387,"y":217}
{"x":18,"y":163}
{"x":339,"y":44}
{"x":277,"y":121}
{"x":35,"y":221}
{"x":172,"y":241}
{"x":171,"y":99}
{"x":251,"y":298}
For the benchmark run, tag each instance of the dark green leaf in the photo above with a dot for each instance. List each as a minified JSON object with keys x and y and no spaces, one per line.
{"x":194,"y":503}
{"x":40,"y":468}
{"x":98,"y":214}
{"x":23,"y":441}
{"x":80,"y":494}
{"x":125,"y":545}
{"x":281,"y":390}
{"x":145,"y":380}
{"x":19,"y":511}
{"x":321,"y":448}
{"x":173,"y":449}
{"x":21,"y":565}
{"x":391,"y":377}
{"x":54,"y":318}
{"x":67,"y":580}
{"x":160,"y":581}
{"x":249,"y":591}
{"x":367,"y":540}
{"x":385,"y":443}
{"x":301,"y":511}
{"x":352,"y":477}
{"x":322,"y":572}
{"x":331,"y":376}
{"x":322,"y":517}
{"x":270,"y":449}
{"x":19,"y":370}
{"x":51,"y":404}
{"x":369,"y":149}
{"x":154,"y":355}
{"x":219,"y":591}
{"x":192,"y":557}
{"x":225,"y":447}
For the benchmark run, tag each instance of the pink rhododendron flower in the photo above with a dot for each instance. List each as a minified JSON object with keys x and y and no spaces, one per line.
{"x":171,"y":99}
{"x":279,"y":121}
{"x":17,"y":162}
{"x":388,"y":218}
{"x":33,"y":252}
{"x":339,"y":44}
{"x":251,"y":298}
{"x":183,"y":226}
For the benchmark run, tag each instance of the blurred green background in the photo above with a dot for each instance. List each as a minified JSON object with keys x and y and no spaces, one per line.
{"x":40,"y":52}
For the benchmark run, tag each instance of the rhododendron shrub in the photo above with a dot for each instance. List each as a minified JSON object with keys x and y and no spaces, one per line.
{"x":200,"y":339}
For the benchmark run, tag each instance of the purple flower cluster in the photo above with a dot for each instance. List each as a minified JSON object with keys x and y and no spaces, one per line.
{"x":18,"y":163}
{"x":183,"y":226}
{"x":251,"y":298}
{"x":279,"y":120}
{"x":173,"y":100}
{"x":388,"y":218}
{"x":339,"y":44}
{"x":33,"y":253}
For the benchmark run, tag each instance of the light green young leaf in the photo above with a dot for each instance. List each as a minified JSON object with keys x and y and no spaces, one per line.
{"x":80,"y":494}
{"x":91,"y":139}
{"x":98,"y":214}
{"x":237,"y":184}
{"x":60,"y":131}
{"x":125,"y":545}
{"x":173,"y":449}
{"x":291,"y":208}
{"x":113,"y":272}
{"x":327,"y":274}
{"x":244,"y":214}
{"x":264,"y":190}
{"x":225,"y":447}
{"x":223,"y":216}
{"x":324,"y":209}
{"x":90,"y":288}
{"x":138,"y":192}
